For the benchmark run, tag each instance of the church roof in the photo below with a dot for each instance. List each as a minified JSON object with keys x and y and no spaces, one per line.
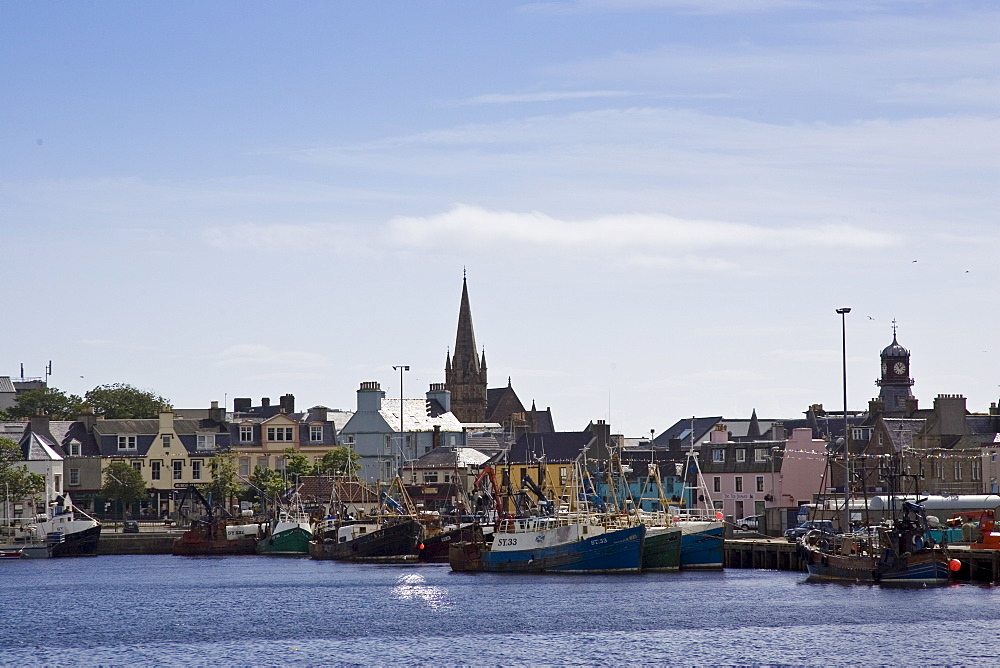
{"x":894,"y":349}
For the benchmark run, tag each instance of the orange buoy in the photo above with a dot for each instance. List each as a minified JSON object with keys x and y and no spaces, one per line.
{"x":954,"y":565}
{"x":421,"y":546}
{"x":718,"y":515}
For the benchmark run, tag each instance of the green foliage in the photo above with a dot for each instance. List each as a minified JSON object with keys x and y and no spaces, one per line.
{"x":46,"y":401}
{"x":267,"y":483}
{"x":16,"y":481}
{"x":340,"y":460}
{"x":121,"y":401}
{"x":296,"y":464}
{"x":225,"y":484}
{"x":123,"y":483}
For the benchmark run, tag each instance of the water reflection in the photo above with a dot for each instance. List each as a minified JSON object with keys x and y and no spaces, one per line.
{"x":413,"y":586}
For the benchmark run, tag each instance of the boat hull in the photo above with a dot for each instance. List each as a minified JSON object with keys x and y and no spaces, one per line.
{"x":924,"y":567}
{"x":611,"y":552}
{"x":77,"y":544}
{"x":397,"y":540}
{"x":210,"y":539}
{"x":435,"y":548}
{"x":701,"y":544}
{"x":291,"y":542}
{"x":661,"y":549}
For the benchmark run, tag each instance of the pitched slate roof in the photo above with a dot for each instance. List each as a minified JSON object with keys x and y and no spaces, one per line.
{"x":36,"y":447}
{"x":439,"y":458}
{"x":418,"y":415}
{"x":555,"y":447}
{"x":6,"y":386}
{"x":65,"y":431}
{"x":902,"y":430}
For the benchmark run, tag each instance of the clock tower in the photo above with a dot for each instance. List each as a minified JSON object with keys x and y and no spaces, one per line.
{"x":895,"y":381}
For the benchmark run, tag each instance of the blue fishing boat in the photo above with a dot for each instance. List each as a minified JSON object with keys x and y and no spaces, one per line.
{"x":552,"y":545}
{"x":703,"y":535}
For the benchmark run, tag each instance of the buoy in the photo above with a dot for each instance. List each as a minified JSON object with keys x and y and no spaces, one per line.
{"x":954,"y":565}
{"x":718,"y":515}
{"x":421,"y":546}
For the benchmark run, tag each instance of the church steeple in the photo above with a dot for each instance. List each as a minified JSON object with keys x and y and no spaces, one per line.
{"x":465,"y":373}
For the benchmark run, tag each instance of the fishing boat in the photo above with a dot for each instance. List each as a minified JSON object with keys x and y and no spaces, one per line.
{"x":435,"y":548}
{"x":290,"y":532}
{"x":552,"y":545}
{"x":702,"y":529}
{"x":661,"y":549}
{"x":899,"y":552}
{"x":378,"y":539}
{"x":215,"y":532}
{"x":66,"y":531}
{"x":393,"y":533}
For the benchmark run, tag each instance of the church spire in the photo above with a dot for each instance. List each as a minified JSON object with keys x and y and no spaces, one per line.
{"x":465,"y":372}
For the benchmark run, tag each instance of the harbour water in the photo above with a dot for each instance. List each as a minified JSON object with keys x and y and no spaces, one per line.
{"x":164,"y":610}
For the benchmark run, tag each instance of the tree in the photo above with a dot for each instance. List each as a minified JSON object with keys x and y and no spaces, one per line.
{"x":339,"y":460}
{"x":124,"y":484}
{"x":266,"y":483}
{"x":16,"y":481}
{"x":46,"y":401}
{"x":224,"y":483}
{"x":296,"y":464}
{"x":121,"y":401}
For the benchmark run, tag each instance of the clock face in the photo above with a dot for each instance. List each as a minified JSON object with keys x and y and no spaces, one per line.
{"x":899,"y":368}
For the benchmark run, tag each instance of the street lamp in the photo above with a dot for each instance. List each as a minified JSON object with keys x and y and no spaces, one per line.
{"x":847,"y":462}
{"x":401,"y":368}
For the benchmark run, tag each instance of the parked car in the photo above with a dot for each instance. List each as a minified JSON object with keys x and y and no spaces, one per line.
{"x":130,"y":526}
{"x":749,"y":523}
{"x":826,"y":526}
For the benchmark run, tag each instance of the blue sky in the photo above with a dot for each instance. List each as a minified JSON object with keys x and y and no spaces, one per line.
{"x":659,"y":203}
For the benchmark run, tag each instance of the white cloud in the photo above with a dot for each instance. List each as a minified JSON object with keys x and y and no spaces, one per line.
{"x":476,"y":227}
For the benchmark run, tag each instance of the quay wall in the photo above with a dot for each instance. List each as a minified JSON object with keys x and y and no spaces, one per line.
{"x":158,"y":542}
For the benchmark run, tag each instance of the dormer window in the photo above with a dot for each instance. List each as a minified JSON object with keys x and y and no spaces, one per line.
{"x":279,"y":433}
{"x":206,"y":441}
{"x":316,"y":433}
{"x":74,"y":448}
{"x":246,"y":433}
{"x":127,"y":443}
{"x":718,"y":455}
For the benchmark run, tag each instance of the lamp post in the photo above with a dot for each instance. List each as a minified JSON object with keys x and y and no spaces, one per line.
{"x":847,"y":462}
{"x":401,"y":368}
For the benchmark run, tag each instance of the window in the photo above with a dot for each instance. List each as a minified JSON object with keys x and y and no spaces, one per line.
{"x":74,"y":448}
{"x":279,"y":433}
{"x":245,"y":466}
{"x":166,"y":440}
{"x":447,"y":477}
{"x":57,"y":483}
{"x":126,"y":443}
{"x":716,"y":484}
{"x":562,"y":475}
{"x":977,"y":469}
{"x":760,"y":483}
{"x":178,"y":469}
{"x":206,"y":441}
{"x":741,"y":455}
{"x":246,"y":433}
{"x":739,"y":483}
{"x":718,"y":455}
{"x":388,"y":444}
{"x":958,"y":470}
{"x":349,"y":440}
{"x":316,"y":433}
{"x":430,"y":477}
{"x":154,"y":470}
{"x":74,"y":476}
{"x":939,"y":469}
{"x":137,"y":466}
{"x":262,"y":462}
{"x":760,"y":455}
{"x":196,"y":469}
{"x":279,"y":464}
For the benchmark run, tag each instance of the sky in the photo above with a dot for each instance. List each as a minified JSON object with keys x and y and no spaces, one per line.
{"x":658,"y":204}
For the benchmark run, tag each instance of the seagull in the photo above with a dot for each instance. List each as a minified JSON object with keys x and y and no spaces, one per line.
{"x":870,"y":318}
